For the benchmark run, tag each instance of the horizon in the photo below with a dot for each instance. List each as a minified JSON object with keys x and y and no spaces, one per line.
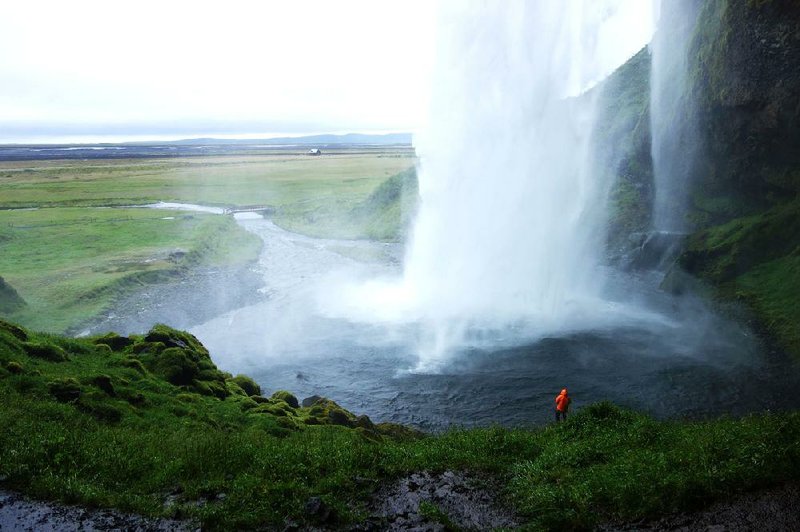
{"x":244,"y":137}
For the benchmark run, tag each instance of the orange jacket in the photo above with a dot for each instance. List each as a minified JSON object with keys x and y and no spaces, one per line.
{"x":563,"y":401}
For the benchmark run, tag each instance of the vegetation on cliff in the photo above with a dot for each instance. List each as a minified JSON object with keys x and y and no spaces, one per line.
{"x":743,"y":191}
{"x":149,"y":424}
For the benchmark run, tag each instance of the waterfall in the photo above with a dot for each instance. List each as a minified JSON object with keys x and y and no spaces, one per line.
{"x":510,"y":227}
{"x":672,"y":114}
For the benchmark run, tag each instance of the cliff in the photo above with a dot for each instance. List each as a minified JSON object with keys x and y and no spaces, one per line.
{"x":741,"y":202}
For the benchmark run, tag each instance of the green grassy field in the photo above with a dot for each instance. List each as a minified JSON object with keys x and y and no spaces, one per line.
{"x":111,"y":421}
{"x":72,"y":256}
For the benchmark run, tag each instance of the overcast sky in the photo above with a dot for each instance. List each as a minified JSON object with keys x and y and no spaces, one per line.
{"x":91,"y":70}
{"x":168,"y":69}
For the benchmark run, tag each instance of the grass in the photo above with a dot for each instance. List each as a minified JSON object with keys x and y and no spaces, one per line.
{"x":68,"y":264}
{"x":756,"y":260}
{"x":293,"y":185}
{"x":125,"y":422}
{"x":71,"y":258}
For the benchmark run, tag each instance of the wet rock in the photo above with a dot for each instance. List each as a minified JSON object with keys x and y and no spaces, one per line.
{"x":317,"y":510}
{"x":310,"y":401}
{"x":21,"y":513}
{"x":427,"y":501}
{"x":770,"y":509}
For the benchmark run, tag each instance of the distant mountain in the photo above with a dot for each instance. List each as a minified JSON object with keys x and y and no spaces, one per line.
{"x":315,"y":140}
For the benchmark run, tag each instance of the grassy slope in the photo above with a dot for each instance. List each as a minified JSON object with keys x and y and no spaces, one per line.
{"x":149,"y":419}
{"x":756,"y":259}
{"x":69,"y":263}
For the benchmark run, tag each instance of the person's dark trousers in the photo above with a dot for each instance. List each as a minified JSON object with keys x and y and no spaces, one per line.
{"x":561,"y":416}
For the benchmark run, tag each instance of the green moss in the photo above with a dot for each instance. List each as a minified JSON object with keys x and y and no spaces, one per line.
{"x":114,"y":341}
{"x":65,"y":389}
{"x":45,"y":351}
{"x":772,"y":289}
{"x":286,"y":397}
{"x":14,"y":367}
{"x":754,"y":260}
{"x":247,"y":384}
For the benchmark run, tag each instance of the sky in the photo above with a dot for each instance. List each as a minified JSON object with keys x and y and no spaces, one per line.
{"x":100,"y":70}
{"x":91,"y":70}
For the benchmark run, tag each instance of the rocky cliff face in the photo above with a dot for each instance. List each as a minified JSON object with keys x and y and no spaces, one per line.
{"x":745,"y":76}
{"x":742,"y":203}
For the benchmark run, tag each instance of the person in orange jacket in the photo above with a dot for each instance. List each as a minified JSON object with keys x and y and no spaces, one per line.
{"x":562,"y":405}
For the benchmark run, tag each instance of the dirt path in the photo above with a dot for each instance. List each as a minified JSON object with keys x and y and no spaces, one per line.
{"x":774,"y":509}
{"x":18,"y":513}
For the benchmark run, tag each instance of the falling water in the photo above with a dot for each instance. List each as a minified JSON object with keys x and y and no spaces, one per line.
{"x":511,"y":220}
{"x":674,"y":129}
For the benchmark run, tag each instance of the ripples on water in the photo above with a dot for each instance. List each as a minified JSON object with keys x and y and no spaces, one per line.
{"x":688,"y":364}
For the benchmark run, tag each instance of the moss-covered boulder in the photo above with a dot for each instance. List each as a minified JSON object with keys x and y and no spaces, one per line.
{"x":288,"y":398}
{"x":103,"y":382}
{"x":66,"y":390}
{"x":14,"y":330}
{"x":45,"y":351}
{"x":114,"y":341}
{"x":14,"y":367}
{"x":247,"y":384}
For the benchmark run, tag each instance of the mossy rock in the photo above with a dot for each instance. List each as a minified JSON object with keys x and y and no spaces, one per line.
{"x":339,"y":417}
{"x":147,"y":347}
{"x":49,"y":352}
{"x":288,"y":398}
{"x":103,"y":382}
{"x":369,"y":434}
{"x":100,"y":409}
{"x":103,"y":349}
{"x":287,"y":423}
{"x":211,"y":388}
{"x":14,"y":330}
{"x":65,"y":390}
{"x":365,"y":422}
{"x":233,"y":388}
{"x":134,"y":398}
{"x":191,"y":398}
{"x":14,"y":367}
{"x":174,"y":364}
{"x":174,"y":338}
{"x":245,"y":403}
{"x":247,"y":384}
{"x":134,"y":363}
{"x":114,"y":341}
{"x":270,"y":409}
{"x":399,"y":432}
{"x":260,"y":399}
